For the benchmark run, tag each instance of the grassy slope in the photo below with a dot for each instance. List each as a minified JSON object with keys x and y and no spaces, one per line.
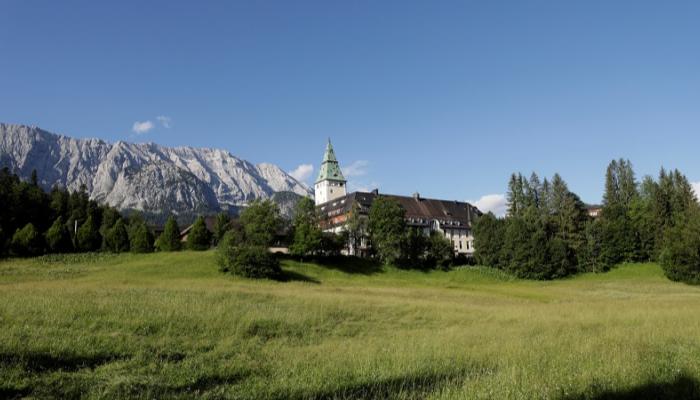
{"x":169,"y":325}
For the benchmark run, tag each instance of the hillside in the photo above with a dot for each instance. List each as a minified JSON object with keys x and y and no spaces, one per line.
{"x":171,"y":326}
{"x":145,"y":177}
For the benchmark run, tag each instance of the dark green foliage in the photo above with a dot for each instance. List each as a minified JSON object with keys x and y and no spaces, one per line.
{"x":58,"y":238}
{"x":221,"y":226}
{"x":489,"y":233}
{"x":439,"y":251}
{"x":117,"y":238}
{"x":89,"y":238}
{"x":356,"y":228}
{"x":199,"y":238}
{"x":414,"y":247}
{"x":140,"y":237}
{"x":169,"y":240}
{"x":386,"y":228}
{"x":543,"y":236}
{"x":26,"y":203}
{"x":261,"y":221}
{"x":27,"y":241}
{"x":680,"y":257}
{"x":237,"y":256}
{"x":307,"y":234}
{"x":589,"y":258}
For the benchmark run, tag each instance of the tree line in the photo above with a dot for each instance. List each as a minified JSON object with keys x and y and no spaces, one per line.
{"x":33,"y":222}
{"x":547,"y":233}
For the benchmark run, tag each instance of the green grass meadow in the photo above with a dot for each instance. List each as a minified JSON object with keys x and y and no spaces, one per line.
{"x":172,"y":326}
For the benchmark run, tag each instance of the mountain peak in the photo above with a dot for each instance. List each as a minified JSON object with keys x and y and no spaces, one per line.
{"x":146,"y":177}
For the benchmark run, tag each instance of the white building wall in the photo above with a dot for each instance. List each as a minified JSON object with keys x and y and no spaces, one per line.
{"x":326,"y":191}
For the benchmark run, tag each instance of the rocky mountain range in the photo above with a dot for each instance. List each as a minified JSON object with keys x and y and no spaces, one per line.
{"x":145,"y":177}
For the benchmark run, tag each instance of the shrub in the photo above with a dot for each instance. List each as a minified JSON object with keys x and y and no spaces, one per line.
{"x":58,"y":237}
{"x":238,"y":257}
{"x":199,"y":237}
{"x":26,"y":241}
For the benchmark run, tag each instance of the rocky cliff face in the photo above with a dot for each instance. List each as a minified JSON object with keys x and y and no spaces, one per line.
{"x":145,"y":177}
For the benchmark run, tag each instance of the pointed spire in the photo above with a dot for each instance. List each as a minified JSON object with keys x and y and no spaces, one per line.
{"x":329,"y":167}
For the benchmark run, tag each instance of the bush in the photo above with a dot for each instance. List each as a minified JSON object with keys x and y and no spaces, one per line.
{"x":199,"y":237}
{"x":27,"y":241}
{"x":236,"y":256}
{"x":58,"y":237}
{"x":680,"y":254}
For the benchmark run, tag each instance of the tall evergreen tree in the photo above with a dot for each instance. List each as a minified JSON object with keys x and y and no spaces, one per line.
{"x":169,"y":240}
{"x":117,"y":237}
{"x":140,"y":237}
{"x":89,"y":238}
{"x":199,"y":238}
{"x":221,"y":226}
{"x":58,"y":238}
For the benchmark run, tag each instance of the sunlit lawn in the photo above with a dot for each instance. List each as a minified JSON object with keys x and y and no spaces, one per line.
{"x":170,"y":325}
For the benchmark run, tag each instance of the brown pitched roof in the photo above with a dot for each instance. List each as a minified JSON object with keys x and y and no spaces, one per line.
{"x":417,"y":208}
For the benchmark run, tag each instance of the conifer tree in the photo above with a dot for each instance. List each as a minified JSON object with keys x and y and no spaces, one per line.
{"x":140,"y":238}
{"x":58,"y":238}
{"x":261,"y":221}
{"x":169,"y":240}
{"x":89,"y":238}
{"x":221,"y":226}
{"x":199,"y":238}
{"x":117,"y":238}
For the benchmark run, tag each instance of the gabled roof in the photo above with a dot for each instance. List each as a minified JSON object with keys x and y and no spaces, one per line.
{"x":330,"y":170}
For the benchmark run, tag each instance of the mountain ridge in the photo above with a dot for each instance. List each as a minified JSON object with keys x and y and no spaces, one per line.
{"x":124,"y":174}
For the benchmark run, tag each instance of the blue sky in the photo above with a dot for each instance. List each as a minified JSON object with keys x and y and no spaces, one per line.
{"x":444,"y":98}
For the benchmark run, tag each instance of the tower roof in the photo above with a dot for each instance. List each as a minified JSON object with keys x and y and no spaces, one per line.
{"x":330,"y":170}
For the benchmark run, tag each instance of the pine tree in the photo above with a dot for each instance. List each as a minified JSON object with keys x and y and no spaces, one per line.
{"x":89,"y":238}
{"x":169,"y":240}
{"x":117,"y":238}
{"x":58,"y":238}
{"x":140,"y":237}
{"x":199,"y":238}
{"x":489,"y":233}
{"x":221,"y":226}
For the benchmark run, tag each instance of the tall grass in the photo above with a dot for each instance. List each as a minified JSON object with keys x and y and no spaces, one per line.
{"x":170,"y":326}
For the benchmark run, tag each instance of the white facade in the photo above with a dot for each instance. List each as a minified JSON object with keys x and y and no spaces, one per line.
{"x":328,"y":190}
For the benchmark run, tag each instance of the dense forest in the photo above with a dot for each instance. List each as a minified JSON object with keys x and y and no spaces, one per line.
{"x":548,"y":233}
{"x":34,"y":222}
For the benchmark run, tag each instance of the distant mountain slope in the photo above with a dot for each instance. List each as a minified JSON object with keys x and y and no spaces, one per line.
{"x":145,"y":177}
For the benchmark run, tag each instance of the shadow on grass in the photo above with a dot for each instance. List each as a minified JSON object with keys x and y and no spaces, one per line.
{"x":405,"y":387}
{"x":349,"y":264}
{"x":683,"y":387}
{"x":44,"y":362}
{"x":291,"y":276}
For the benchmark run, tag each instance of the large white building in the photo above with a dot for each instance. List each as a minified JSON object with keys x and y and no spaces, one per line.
{"x":453,"y":219}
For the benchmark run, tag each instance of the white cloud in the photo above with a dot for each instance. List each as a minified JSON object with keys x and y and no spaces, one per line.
{"x":696,"y":188}
{"x":357,"y":168}
{"x":302,"y":173}
{"x":495,"y":203}
{"x":164,"y":120}
{"x":140,"y":128}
